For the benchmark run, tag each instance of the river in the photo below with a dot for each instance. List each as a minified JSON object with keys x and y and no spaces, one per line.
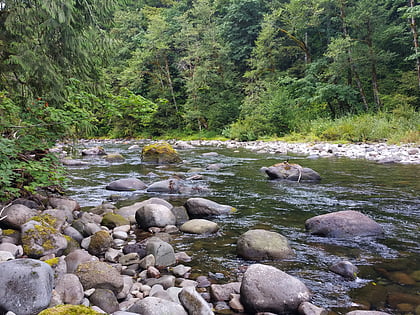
{"x":389,"y":277}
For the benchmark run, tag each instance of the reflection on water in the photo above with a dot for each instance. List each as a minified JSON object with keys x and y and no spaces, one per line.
{"x":389,"y":276}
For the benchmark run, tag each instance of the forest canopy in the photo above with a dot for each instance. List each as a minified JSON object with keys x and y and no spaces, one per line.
{"x":245,"y":69}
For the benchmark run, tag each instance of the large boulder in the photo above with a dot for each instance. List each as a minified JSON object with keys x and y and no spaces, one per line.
{"x":129,"y":212}
{"x":205,"y":207}
{"x":126,"y":184}
{"x":268,"y":289}
{"x":344,"y":224}
{"x":292,"y":172}
{"x":63,"y":203}
{"x":98,"y":274}
{"x":261,"y":244}
{"x":161,"y":152}
{"x":199,"y":226}
{"x":99,"y":243}
{"x":40,"y":238}
{"x":26,"y":286}
{"x":157,"y":306}
{"x":154,"y":215}
{"x":16,"y":215}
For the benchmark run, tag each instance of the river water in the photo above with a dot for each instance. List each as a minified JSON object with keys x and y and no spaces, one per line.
{"x":389,"y":277}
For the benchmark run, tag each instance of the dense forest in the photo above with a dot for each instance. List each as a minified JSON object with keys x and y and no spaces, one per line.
{"x":242,"y":69}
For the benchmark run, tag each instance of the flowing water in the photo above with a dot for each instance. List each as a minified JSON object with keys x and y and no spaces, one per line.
{"x":389,"y":277}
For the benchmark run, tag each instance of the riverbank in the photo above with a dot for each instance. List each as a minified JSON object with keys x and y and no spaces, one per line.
{"x":378,"y":152}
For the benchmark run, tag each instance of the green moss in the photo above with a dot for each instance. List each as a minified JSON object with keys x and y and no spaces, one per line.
{"x":160,"y":152}
{"x":53,"y":261}
{"x":69,"y":310}
{"x":9,"y":232}
{"x":111,"y":220}
{"x":45,"y":218}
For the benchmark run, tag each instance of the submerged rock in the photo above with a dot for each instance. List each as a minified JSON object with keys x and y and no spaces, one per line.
{"x":344,"y":224}
{"x":205,"y":207}
{"x":126,"y":184}
{"x":292,"y":172}
{"x":169,"y":186}
{"x":345,"y":269}
{"x":262,"y":244}
{"x":94,"y":151}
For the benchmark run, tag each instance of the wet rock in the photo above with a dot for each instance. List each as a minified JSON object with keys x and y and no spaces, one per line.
{"x":99,"y":275}
{"x":154,"y":215}
{"x":194,"y":302}
{"x":27,"y":286}
{"x":105,"y":300}
{"x":307,"y":308}
{"x":268,"y":289}
{"x":76,"y":257}
{"x":16,"y":215}
{"x":344,"y":224}
{"x":69,"y":289}
{"x":181,"y":215}
{"x":40,"y":239}
{"x":114,"y":157}
{"x":205,"y":207}
{"x":222,"y":292}
{"x":169,"y":186}
{"x":292,"y":172}
{"x":261,"y":244}
{"x":214,"y":167}
{"x":396,"y":298}
{"x":345,"y":269}
{"x":112,"y":220}
{"x":199,"y":226}
{"x":162,"y":153}
{"x":126,"y":184}
{"x":210,"y":154}
{"x":94,"y":151}
{"x":157,"y":306}
{"x":100,"y":242}
{"x":162,"y":251}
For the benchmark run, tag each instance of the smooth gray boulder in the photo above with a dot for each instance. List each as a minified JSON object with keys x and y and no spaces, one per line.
{"x":222,"y":292}
{"x":129,"y":212}
{"x":27,"y":286}
{"x":69,"y":289}
{"x":268,"y":289}
{"x":157,"y":306}
{"x":162,"y":251}
{"x":193,"y":302}
{"x":261,"y":244}
{"x":307,"y":308}
{"x":344,"y":224}
{"x":204,"y":207}
{"x":154,"y":215}
{"x":63,"y":203}
{"x":199,"y":226}
{"x":16,"y":215}
{"x":126,"y":184}
{"x":168,"y":186}
{"x":345,"y":269}
{"x":290,"y":171}
{"x":105,"y":299}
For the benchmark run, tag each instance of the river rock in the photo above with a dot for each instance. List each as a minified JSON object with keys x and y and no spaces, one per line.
{"x":63,"y":203}
{"x":16,"y":215}
{"x":27,"y":286}
{"x":151,"y":215}
{"x":112,"y":220}
{"x":40,"y":239}
{"x":292,"y":172}
{"x":307,"y":308}
{"x":157,"y":306}
{"x":168,"y":186}
{"x":105,"y":300}
{"x":268,"y":289}
{"x":162,"y":153}
{"x":97,"y":274}
{"x":363,"y":312}
{"x":114,"y":157}
{"x":126,"y":184}
{"x":199,"y":226}
{"x":69,"y":289}
{"x":194,"y":302}
{"x":222,"y":292}
{"x":99,"y":243}
{"x":70,"y":309}
{"x":163,"y":252}
{"x":73,"y":162}
{"x":181,"y":215}
{"x":94,"y":151}
{"x":76,"y":257}
{"x":129,"y":212}
{"x":345,"y":269}
{"x":344,"y":224}
{"x":205,"y":207}
{"x":261,"y":244}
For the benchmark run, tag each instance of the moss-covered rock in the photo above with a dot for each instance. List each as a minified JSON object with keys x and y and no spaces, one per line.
{"x":112,"y":220}
{"x":100,"y":242}
{"x":161,"y":152}
{"x":69,"y":310}
{"x":114,"y":157}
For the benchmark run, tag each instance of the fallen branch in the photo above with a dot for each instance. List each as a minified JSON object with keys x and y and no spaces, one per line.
{"x":1,"y":212}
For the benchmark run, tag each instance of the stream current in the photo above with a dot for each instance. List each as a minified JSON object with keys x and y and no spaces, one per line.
{"x":389,"y":277}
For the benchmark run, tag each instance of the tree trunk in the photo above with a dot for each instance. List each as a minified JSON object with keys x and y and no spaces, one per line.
{"x":374,"y":74}
{"x":413,"y":26}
